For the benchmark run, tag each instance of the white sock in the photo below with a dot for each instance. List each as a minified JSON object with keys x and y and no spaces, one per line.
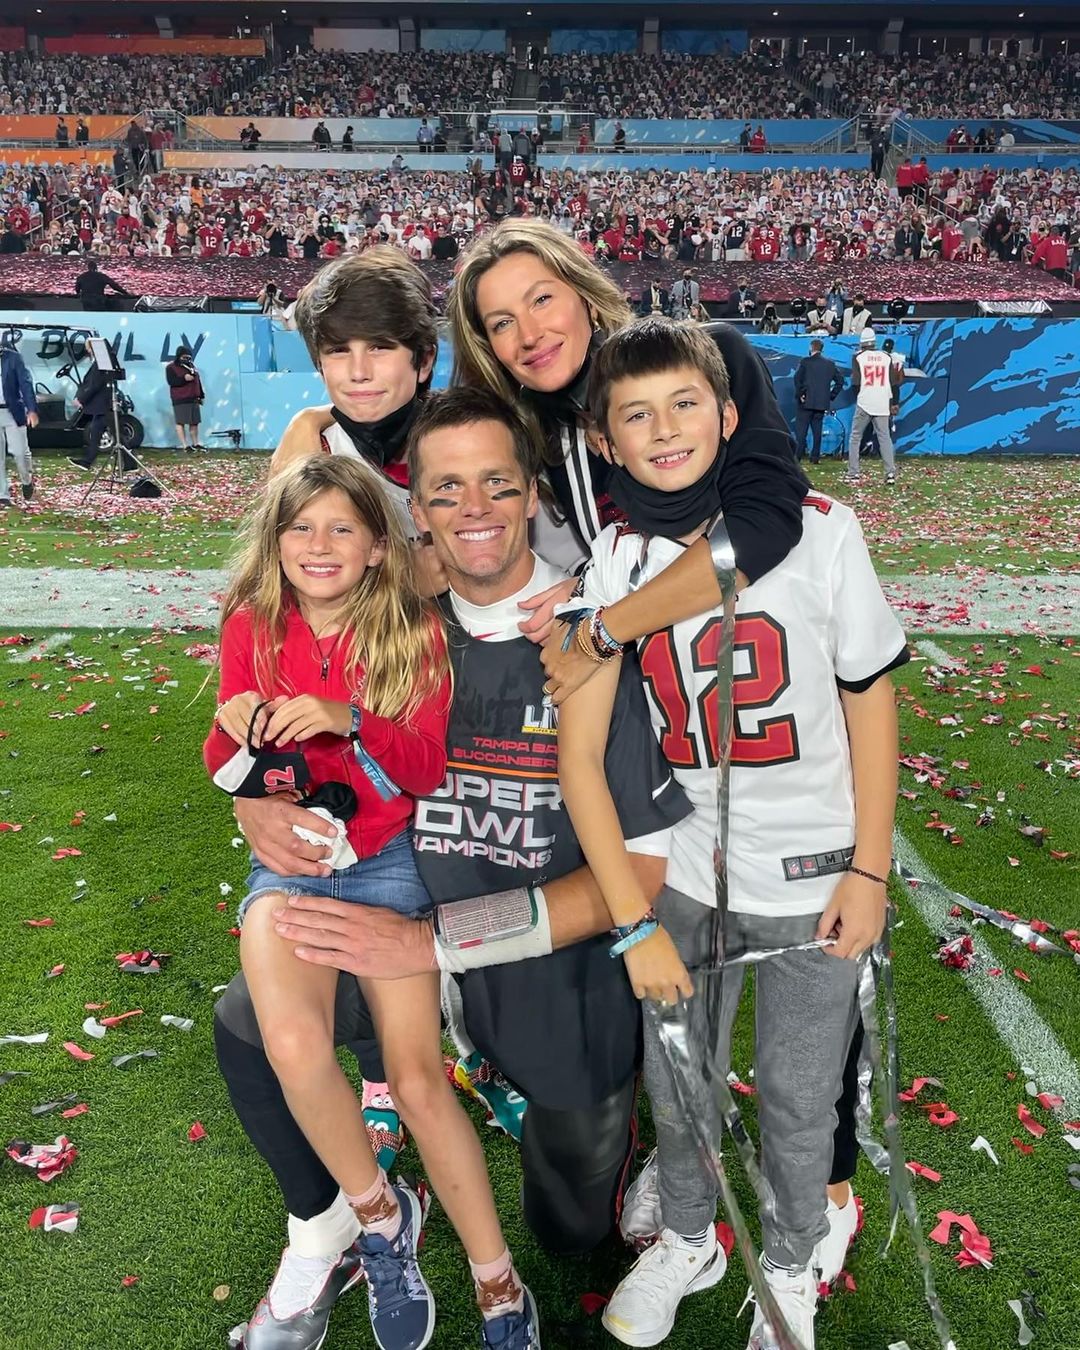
{"x":328,"y":1234}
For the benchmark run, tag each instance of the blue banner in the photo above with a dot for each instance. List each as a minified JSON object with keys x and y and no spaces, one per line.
{"x":566,"y":41}
{"x":1026,"y":131}
{"x":463,"y":39}
{"x":703,"y":41}
{"x":719,"y":132}
{"x":987,"y":386}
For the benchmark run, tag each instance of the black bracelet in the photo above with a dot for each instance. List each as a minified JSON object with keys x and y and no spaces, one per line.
{"x":882,"y":881}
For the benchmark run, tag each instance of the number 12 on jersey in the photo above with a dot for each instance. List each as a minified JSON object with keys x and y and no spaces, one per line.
{"x":689,"y":736}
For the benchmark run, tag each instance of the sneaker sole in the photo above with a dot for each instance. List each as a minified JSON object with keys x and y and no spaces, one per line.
{"x":713,"y":1273}
{"x":418,"y":1207}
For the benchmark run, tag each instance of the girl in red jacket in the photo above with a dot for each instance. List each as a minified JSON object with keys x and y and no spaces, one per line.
{"x":329,"y":656}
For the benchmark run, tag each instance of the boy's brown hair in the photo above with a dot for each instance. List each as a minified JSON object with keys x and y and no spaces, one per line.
{"x":648,"y":347}
{"x":376,"y":295}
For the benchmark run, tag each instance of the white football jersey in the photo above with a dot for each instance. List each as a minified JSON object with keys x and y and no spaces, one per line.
{"x":340,"y":443}
{"x":816,"y":621}
{"x":875,"y":388}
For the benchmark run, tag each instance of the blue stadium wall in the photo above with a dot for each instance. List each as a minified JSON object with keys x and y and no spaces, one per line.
{"x":990,"y":386}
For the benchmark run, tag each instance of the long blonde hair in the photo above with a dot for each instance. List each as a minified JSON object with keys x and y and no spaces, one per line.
{"x":385,"y":626}
{"x":474,"y":361}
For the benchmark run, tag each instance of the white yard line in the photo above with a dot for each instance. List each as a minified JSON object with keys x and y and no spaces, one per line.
{"x":1019,"y":1024}
{"x":938,"y":655}
{"x":40,"y":647}
{"x":66,"y":597}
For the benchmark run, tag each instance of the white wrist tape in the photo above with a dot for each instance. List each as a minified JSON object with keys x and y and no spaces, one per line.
{"x":492,"y":930}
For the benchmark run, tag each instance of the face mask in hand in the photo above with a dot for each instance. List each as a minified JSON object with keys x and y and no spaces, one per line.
{"x":261,"y":772}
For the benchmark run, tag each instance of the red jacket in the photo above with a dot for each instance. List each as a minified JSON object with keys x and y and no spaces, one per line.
{"x":905,"y":175}
{"x":413,"y":755}
{"x":1052,"y":252}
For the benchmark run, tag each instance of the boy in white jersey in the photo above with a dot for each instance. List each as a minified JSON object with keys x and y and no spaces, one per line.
{"x":813,"y":787}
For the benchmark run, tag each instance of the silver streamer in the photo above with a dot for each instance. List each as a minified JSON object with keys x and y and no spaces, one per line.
{"x":697,"y":1065}
{"x":697,"y":1069}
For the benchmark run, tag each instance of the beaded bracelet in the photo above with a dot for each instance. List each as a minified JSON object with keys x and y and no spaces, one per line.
{"x":881,"y":881}
{"x":606,"y":646}
{"x":645,"y":930}
{"x":585,"y":644}
{"x":622,"y":930}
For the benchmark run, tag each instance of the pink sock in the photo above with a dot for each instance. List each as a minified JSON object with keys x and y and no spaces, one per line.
{"x":380,"y":1200}
{"x":372,"y":1090}
{"x":498,"y":1289}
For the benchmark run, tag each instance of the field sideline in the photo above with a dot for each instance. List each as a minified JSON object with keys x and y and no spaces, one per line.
{"x":109,"y":828}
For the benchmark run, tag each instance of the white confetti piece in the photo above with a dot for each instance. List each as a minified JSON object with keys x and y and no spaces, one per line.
{"x":1026,"y":1334}
{"x":93,"y":1027}
{"x":983,"y":1145}
{"x":37,"y":1038}
{"x":225,"y":888}
{"x":180,"y":1023}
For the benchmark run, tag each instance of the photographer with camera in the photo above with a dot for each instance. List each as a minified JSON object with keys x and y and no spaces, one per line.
{"x":186,"y":391}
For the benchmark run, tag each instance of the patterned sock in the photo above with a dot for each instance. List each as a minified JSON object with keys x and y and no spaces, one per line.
{"x":372,"y":1090}
{"x":696,"y":1239}
{"x":498,"y":1289}
{"x":377,"y":1208}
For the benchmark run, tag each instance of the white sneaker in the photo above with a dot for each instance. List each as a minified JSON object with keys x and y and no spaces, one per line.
{"x":796,"y":1297}
{"x":640,"y":1221}
{"x":831,"y":1252}
{"x":642,"y":1310}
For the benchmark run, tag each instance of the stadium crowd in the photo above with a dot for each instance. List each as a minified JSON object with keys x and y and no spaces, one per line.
{"x":951,"y":85}
{"x":752,"y":85}
{"x":375,"y":84}
{"x":690,"y":217}
{"x":672,"y":84}
{"x":100,"y":85}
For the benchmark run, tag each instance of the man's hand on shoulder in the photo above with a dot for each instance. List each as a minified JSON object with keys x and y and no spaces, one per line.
{"x":362,"y":940}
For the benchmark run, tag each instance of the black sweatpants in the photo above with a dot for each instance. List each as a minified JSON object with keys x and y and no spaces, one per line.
{"x":574,"y":1163}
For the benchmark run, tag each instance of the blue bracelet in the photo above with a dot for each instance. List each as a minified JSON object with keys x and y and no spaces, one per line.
{"x":643,"y":931}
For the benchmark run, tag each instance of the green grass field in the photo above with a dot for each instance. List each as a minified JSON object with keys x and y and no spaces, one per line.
{"x":100,"y":739}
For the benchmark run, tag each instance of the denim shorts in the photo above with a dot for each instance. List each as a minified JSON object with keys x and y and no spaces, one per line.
{"x":388,"y":880}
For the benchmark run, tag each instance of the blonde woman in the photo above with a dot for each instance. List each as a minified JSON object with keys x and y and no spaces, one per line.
{"x":334,"y":681}
{"x":527,"y":311}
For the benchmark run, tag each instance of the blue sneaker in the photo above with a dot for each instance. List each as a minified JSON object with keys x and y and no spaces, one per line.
{"x":400,"y":1303}
{"x":514,"y":1330}
{"x":480,"y":1079}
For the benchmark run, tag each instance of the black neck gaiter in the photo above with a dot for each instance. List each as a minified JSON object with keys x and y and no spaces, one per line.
{"x":381,"y":442}
{"x":668,"y":514}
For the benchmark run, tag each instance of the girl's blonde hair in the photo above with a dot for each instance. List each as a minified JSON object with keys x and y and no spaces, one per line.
{"x":385,"y":626}
{"x":474,"y":361}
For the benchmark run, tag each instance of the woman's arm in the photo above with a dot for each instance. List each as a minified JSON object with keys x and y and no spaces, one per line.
{"x":302,"y":437}
{"x":653,"y":964}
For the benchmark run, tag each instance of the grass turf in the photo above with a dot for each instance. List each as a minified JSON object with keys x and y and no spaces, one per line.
{"x":189,"y":1218}
{"x":951,"y":515}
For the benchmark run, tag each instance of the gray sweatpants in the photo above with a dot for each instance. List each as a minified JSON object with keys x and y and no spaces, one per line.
{"x":884,"y":440}
{"x":13,"y":438}
{"x":804,"y":1008}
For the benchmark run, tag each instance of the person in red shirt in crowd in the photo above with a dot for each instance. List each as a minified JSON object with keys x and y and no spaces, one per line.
{"x":920,"y":179}
{"x":332,"y":248}
{"x":1052,"y":253}
{"x":763,"y":245}
{"x":583,"y":140}
{"x":825,"y":250}
{"x":856,"y":246}
{"x":519,"y":173}
{"x":630,"y":247}
{"x":85,"y":228}
{"x":905,"y":179}
{"x":986,"y":182}
{"x":211,"y":238}
{"x":244,"y":244}
{"x":947,"y":179}
{"x":255,"y":217}
{"x":757,"y":141}
{"x":126,"y":226}
{"x":952,"y":240}
{"x":18,"y":219}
